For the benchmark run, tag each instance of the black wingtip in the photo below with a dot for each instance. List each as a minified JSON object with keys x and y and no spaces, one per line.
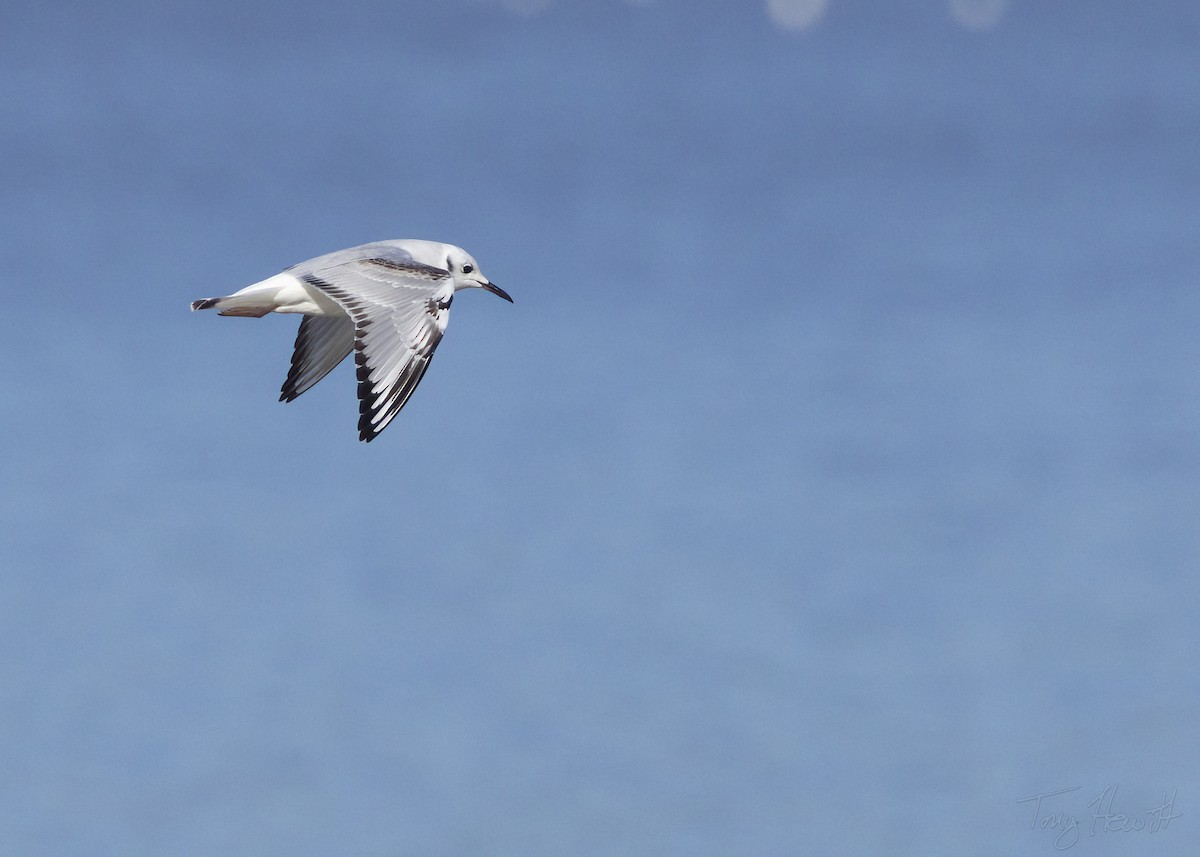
{"x":204,"y":303}
{"x":288,"y":391}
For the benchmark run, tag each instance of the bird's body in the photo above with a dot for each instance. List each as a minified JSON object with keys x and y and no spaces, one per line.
{"x":388,"y":302}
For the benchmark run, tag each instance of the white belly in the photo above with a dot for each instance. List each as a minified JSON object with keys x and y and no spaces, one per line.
{"x":285,"y":293}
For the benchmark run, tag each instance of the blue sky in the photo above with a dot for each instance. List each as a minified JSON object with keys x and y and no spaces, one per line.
{"x":829,"y":488}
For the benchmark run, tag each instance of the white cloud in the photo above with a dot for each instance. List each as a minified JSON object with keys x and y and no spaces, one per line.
{"x":796,"y":14}
{"x":978,"y":14}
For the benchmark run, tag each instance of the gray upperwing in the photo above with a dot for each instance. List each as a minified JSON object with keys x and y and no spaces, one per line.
{"x":400,"y":309}
{"x":383,"y":249}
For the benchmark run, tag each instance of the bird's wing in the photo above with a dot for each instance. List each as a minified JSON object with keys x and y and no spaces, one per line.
{"x":322,"y":343}
{"x":400,"y":309}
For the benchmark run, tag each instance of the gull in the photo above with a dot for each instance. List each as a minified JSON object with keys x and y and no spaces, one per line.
{"x":388,"y":302}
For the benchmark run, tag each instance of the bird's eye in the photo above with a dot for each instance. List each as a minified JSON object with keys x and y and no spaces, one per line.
{"x":468,"y":269}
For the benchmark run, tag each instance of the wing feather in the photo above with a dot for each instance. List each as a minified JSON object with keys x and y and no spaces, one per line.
{"x":399,"y":310}
{"x":321,"y":344}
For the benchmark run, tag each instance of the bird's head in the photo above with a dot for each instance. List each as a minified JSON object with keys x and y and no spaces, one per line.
{"x":465,"y":270}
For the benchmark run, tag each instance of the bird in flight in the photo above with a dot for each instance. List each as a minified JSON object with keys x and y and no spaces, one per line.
{"x":388,"y":302}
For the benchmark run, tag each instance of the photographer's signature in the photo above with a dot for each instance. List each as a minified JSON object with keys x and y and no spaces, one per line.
{"x":1048,"y":815}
